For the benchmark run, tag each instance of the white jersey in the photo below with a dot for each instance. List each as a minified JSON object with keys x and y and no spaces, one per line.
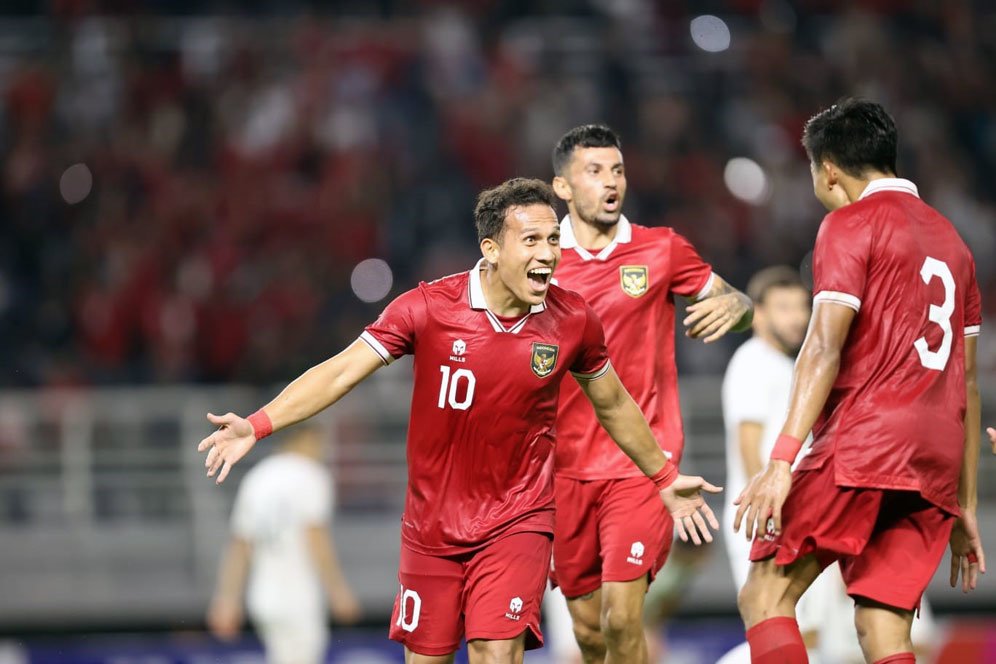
{"x":756,"y":388}
{"x":278,"y":499}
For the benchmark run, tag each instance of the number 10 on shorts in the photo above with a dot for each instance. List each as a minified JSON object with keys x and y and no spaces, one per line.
{"x":409,"y":609}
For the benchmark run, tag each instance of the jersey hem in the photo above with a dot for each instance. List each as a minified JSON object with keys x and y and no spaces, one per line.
{"x":598,"y":373}
{"x":707,"y":287}
{"x":526,"y":525}
{"x":973,"y":330}
{"x":897,"y":484}
{"x":836,"y":297}
{"x":377,"y":347}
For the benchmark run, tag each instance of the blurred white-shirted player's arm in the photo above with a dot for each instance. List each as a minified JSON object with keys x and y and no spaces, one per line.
{"x":749,"y":435}
{"x":815,"y":372}
{"x":623,"y":420}
{"x":967,"y":557}
{"x":342,"y":603}
{"x":316,"y":389}
{"x":225,"y":613}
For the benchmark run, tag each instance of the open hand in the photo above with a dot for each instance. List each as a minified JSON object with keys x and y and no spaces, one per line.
{"x":344,"y":608}
{"x":966,"y":547}
{"x":711,"y":318}
{"x":683,"y":499}
{"x":232,"y":441}
{"x":763,"y":499}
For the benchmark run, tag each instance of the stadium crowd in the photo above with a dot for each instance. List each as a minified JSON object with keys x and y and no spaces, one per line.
{"x":234,"y":171}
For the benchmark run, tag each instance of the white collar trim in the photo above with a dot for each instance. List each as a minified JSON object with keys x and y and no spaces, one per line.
{"x":478,"y":302}
{"x":624,"y":235}
{"x":885,"y":184}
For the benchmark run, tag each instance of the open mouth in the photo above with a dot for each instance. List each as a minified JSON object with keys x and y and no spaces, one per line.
{"x":611,"y":203}
{"x":539,"y":278}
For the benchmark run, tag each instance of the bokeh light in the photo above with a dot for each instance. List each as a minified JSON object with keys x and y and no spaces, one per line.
{"x":76,"y":183}
{"x":746,"y":180}
{"x":710,"y":33}
{"x":372,"y":280}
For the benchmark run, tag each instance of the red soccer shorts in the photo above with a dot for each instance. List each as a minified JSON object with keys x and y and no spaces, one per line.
{"x":492,"y":593}
{"x":607,"y":530}
{"x":889,"y":543}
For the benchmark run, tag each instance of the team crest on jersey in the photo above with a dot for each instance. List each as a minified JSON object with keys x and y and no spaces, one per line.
{"x":634,"y":279}
{"x":544,"y":359}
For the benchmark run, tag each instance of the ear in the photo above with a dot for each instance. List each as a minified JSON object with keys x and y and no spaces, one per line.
{"x":832,"y":172}
{"x":490,"y":249}
{"x":561,"y":188}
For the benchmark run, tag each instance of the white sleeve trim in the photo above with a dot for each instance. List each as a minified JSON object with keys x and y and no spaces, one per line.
{"x":377,"y":347}
{"x":973,"y":330}
{"x":595,"y":374}
{"x":707,"y":288}
{"x":836,"y":297}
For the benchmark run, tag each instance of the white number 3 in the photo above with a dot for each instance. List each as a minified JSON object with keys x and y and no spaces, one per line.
{"x":938,"y":359}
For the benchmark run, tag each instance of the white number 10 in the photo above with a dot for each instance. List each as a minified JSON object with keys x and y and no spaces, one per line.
{"x":938,"y":359}
{"x":449,"y":387}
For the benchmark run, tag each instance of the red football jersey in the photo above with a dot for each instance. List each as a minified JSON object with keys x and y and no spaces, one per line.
{"x":895,"y":415}
{"x":631,"y":285}
{"x":484,"y":406}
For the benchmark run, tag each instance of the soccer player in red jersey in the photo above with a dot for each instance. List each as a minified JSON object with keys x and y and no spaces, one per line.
{"x":491,"y":348}
{"x":612,"y":534}
{"x":886,"y":382}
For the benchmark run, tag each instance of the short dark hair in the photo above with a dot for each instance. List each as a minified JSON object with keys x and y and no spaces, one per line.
{"x":855,"y":134}
{"x":493,"y":204}
{"x":777,"y":276}
{"x":585,"y":136}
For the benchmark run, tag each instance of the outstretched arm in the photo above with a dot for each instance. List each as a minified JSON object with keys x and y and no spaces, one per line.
{"x":316,"y":389}
{"x":624,"y":422}
{"x":815,"y":372}
{"x":722,"y":309}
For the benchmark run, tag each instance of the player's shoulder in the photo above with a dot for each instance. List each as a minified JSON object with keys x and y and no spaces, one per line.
{"x":653,"y":234}
{"x":563,"y":300}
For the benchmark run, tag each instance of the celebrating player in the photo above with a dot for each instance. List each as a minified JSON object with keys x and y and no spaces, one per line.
{"x":887,"y":376}
{"x":612,"y":534}
{"x":491,"y":347}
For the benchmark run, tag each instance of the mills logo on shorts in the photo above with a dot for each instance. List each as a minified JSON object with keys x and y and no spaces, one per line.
{"x":769,"y":528}
{"x":544,"y":359}
{"x":634,"y":279}
{"x":636,"y":553}
{"x":514,"y":609}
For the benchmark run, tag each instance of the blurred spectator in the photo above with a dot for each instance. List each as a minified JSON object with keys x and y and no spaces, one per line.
{"x":237,"y":169}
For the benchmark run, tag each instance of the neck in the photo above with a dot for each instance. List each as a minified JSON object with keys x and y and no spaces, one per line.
{"x":854,"y":187}
{"x":500,"y":300}
{"x":592,"y":235}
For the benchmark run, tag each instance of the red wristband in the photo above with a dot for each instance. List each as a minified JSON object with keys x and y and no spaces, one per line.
{"x":261,"y":424}
{"x":786,"y":448}
{"x":664,"y":477}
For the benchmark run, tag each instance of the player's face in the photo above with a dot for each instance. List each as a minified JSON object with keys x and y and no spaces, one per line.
{"x":595,"y":185}
{"x":529,"y":252}
{"x":785,"y":313}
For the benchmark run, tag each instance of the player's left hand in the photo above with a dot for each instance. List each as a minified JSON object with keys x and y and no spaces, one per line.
{"x":966,"y":547}
{"x":711,"y":318}
{"x":992,"y":437}
{"x":763,"y":499}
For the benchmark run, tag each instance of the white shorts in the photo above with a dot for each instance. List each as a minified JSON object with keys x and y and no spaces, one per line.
{"x":294,"y":640}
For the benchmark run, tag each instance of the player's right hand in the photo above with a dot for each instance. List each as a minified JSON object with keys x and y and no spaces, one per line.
{"x":683,"y":499}
{"x":992,"y":437}
{"x":966,"y":547}
{"x":232,"y":441}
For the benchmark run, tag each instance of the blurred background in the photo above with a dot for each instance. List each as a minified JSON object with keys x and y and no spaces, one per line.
{"x":199,"y":200}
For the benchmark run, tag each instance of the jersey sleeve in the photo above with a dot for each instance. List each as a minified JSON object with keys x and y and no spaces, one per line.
{"x":973,"y":306}
{"x":592,"y":360}
{"x":744,"y":394}
{"x":690,"y":275}
{"x":393,"y":333}
{"x":840,"y":261}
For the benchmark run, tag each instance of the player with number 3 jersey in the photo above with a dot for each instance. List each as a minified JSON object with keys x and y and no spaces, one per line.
{"x":491,"y":347}
{"x":886,"y":381}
